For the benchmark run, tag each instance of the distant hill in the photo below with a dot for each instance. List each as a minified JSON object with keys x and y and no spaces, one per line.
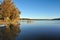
{"x":56,"y":19}
{"x":32,"y":19}
{"x":24,"y":18}
{"x":39,"y":19}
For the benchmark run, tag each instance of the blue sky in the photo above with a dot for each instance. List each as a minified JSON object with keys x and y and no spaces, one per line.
{"x":38,"y":8}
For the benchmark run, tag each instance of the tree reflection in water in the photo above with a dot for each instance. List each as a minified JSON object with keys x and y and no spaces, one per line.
{"x":9,"y":33}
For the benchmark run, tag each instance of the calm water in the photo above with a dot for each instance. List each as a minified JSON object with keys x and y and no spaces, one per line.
{"x":33,"y":30}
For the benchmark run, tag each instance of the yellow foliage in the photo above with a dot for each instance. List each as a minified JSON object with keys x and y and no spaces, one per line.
{"x":9,"y":10}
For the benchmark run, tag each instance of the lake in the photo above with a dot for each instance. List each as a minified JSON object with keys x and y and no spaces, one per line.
{"x":33,"y":30}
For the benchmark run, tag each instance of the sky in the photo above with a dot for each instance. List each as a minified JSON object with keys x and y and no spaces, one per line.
{"x":38,"y":9}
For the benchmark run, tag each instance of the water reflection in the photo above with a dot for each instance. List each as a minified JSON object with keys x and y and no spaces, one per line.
{"x":9,"y":33}
{"x":27,"y":21}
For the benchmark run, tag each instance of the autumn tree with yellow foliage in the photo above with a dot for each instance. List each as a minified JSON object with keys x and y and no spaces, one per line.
{"x":8,"y":11}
